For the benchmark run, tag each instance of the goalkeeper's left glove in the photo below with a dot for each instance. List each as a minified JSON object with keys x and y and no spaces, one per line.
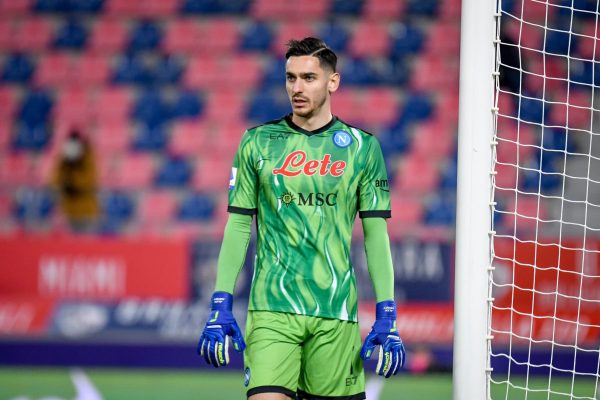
{"x":385,"y":334}
{"x":214,"y":342}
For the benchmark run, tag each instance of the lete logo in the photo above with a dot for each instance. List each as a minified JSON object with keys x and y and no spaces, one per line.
{"x":296,"y":163}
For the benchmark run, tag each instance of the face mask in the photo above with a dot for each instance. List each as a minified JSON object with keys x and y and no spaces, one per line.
{"x":73,"y":150}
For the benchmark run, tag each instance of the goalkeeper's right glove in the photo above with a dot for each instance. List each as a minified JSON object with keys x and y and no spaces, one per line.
{"x":385,"y":334}
{"x":213,"y":344}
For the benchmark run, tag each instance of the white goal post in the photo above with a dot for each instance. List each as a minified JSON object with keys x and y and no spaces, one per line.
{"x":527,"y":275}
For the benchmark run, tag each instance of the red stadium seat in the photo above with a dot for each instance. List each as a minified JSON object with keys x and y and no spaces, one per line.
{"x":443,"y":39}
{"x":157,"y":8}
{"x":113,"y":104}
{"x":525,"y":211}
{"x":109,"y":35}
{"x":376,"y":10}
{"x":211,"y":174}
{"x":157,"y":208}
{"x":290,"y":30}
{"x":189,"y":138}
{"x":506,"y":176}
{"x":447,"y":106}
{"x":433,"y":139}
{"x":244,"y":71}
{"x":17,"y":170}
{"x":122,"y":8}
{"x":135,"y":171}
{"x":7,"y":33}
{"x":431,"y":73}
{"x":6,"y":133}
{"x":91,"y":70}
{"x":588,"y":44}
{"x":407,"y":211}
{"x":535,"y":11}
{"x":525,"y":34}
{"x":219,"y":36}
{"x":73,"y":107}
{"x":15,"y":7}
{"x":514,"y":141}
{"x":202,"y":72}
{"x":450,"y":10}
{"x":182,"y":35}
{"x":285,"y":10}
{"x":112,"y":137}
{"x":380,"y":106}
{"x":33,"y":34}
{"x":575,"y":112}
{"x":369,"y":39}
{"x":417,"y":175}
{"x":9,"y":100}
{"x":343,"y":104}
{"x":225,"y":105}
{"x":6,"y":203}
{"x":53,"y":70}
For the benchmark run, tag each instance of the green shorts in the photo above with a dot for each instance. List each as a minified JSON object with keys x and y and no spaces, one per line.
{"x":314,"y":357}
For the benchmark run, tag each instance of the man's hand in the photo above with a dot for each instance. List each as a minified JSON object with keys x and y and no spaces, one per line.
{"x":385,"y":334}
{"x":214,"y":342}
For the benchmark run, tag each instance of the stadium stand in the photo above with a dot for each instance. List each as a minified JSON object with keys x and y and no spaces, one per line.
{"x":165,"y":89}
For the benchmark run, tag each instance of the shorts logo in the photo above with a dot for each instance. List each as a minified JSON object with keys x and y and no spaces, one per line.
{"x":247,"y":376}
{"x":296,"y":163}
{"x":342,"y":139}
{"x":232,"y":178}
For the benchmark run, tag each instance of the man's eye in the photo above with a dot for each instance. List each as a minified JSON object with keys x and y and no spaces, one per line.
{"x":310,"y":78}
{"x":290,"y":78}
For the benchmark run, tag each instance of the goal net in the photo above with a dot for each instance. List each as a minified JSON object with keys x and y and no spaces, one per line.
{"x":544,"y":280}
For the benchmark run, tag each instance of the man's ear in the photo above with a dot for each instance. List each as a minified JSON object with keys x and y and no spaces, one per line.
{"x":334,"y":82}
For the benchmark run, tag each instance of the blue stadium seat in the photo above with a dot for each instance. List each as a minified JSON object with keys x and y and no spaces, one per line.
{"x":71,"y":34}
{"x":393,"y":72}
{"x":407,"y":39}
{"x":417,"y":107}
{"x":33,"y":205}
{"x":18,"y":68}
{"x":357,"y":71}
{"x":427,"y":8}
{"x":150,"y":138}
{"x":196,"y":207}
{"x":274,"y":74}
{"x":31,"y":137}
{"x":540,"y":176}
{"x":335,"y":34}
{"x":131,"y":69}
{"x":146,"y":35}
{"x":257,"y":37}
{"x":35,"y":108}
{"x":394,"y":139}
{"x":441,"y":210}
{"x":266,"y":106}
{"x":117,"y":208}
{"x":174,"y":172}
{"x":151,"y":109}
{"x":584,"y":72}
{"x":187,"y":105}
{"x":87,"y":6}
{"x":450,"y":175}
{"x":214,"y":6}
{"x":53,"y":6}
{"x":559,"y":40}
{"x":533,"y":109}
{"x":347,"y":7}
{"x":168,"y":70}
{"x":582,"y":9}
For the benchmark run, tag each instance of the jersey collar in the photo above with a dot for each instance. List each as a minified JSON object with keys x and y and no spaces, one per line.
{"x":291,"y":124}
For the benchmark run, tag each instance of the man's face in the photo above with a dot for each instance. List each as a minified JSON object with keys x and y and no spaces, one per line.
{"x":308,"y":85}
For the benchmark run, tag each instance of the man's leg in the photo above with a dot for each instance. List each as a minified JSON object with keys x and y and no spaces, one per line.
{"x":273,"y":354}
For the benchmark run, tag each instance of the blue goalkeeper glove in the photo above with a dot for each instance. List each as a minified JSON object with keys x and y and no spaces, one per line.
{"x":385,"y":334}
{"x":214,"y":342}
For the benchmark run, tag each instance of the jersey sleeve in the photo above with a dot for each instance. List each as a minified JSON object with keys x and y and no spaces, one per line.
{"x":243,"y":181}
{"x":374,"y":190}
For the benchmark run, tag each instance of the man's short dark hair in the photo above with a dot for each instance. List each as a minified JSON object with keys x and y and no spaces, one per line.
{"x":310,"y":46}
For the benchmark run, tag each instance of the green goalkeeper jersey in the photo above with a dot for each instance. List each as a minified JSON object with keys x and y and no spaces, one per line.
{"x":306,"y":188}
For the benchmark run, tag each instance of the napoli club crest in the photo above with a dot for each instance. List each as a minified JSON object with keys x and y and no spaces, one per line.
{"x":342,"y":139}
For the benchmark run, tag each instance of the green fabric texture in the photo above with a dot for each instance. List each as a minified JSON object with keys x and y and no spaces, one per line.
{"x":233,"y":251}
{"x":379,"y":258}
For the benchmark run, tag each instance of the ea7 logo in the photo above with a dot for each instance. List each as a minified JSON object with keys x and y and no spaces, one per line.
{"x":296,"y":163}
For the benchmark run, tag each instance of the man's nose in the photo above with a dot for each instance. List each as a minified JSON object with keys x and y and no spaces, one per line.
{"x":297,"y":88}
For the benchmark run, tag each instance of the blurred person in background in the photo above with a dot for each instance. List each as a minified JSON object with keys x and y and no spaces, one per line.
{"x":306,"y":176}
{"x":75,"y":181}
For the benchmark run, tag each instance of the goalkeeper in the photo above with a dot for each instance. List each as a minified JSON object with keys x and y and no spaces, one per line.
{"x":305,"y":177}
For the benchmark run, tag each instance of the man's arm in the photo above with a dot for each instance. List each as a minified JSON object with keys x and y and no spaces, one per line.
{"x":213,"y":343}
{"x":379,"y":258}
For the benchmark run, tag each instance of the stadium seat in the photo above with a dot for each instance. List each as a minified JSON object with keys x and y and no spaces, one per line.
{"x":182,"y":35}
{"x":257,"y":36}
{"x":443,"y":39}
{"x":282,"y":10}
{"x":33,"y":34}
{"x":506,"y":177}
{"x":109,"y":36}
{"x":535,"y":11}
{"x":15,"y":8}
{"x":380,"y":106}
{"x":359,"y":71}
{"x":150,"y":109}
{"x":6,"y":133}
{"x":16,"y":170}
{"x":157,"y":9}
{"x":417,"y":107}
{"x":242,"y":72}
{"x":87,"y":6}
{"x":33,"y":206}
{"x":73,"y":107}
{"x":343,"y":104}
{"x":449,"y":10}
{"x":506,"y":103}
{"x":224,"y":105}
{"x":428,"y":8}
{"x":346,"y":7}
{"x":449,"y":177}
{"x":525,"y":210}
{"x":18,"y":68}
{"x":71,"y":35}
{"x":157,"y":209}
{"x":417,"y":175}
{"x":174,"y":172}
{"x":150,"y":138}
{"x":369,"y":39}
{"x":9,"y":98}
{"x":433,"y":139}
{"x":406,"y":39}
{"x":211,"y":175}
{"x":588,"y":41}
{"x":113,"y":103}
{"x":131,"y":69}
{"x":168,"y":70}
{"x":187,"y":105}
{"x":533,"y":109}
{"x":31,"y":137}
{"x":202,"y":72}
{"x":219,"y":36}
{"x":273,"y":73}
{"x":135,"y":171}
{"x":117,"y":208}
{"x":189,"y":139}
{"x":35,"y":108}
{"x":196,"y":207}
{"x":433,"y":73}
{"x":90,"y":70}
{"x":377,"y":10}
{"x":122,"y":8}
{"x":441,"y":210}
{"x":7,"y":33}
{"x":525,"y":34}
{"x":515,"y":142}
{"x":407,"y":212}
{"x":112,"y":138}
{"x":52,"y":6}
{"x":290,"y":30}
{"x":145,"y":35}
{"x":447,"y":106}
{"x":336,"y":35}
{"x":53,"y":70}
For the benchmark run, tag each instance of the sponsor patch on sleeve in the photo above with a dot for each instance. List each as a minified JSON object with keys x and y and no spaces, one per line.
{"x":232,"y":178}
